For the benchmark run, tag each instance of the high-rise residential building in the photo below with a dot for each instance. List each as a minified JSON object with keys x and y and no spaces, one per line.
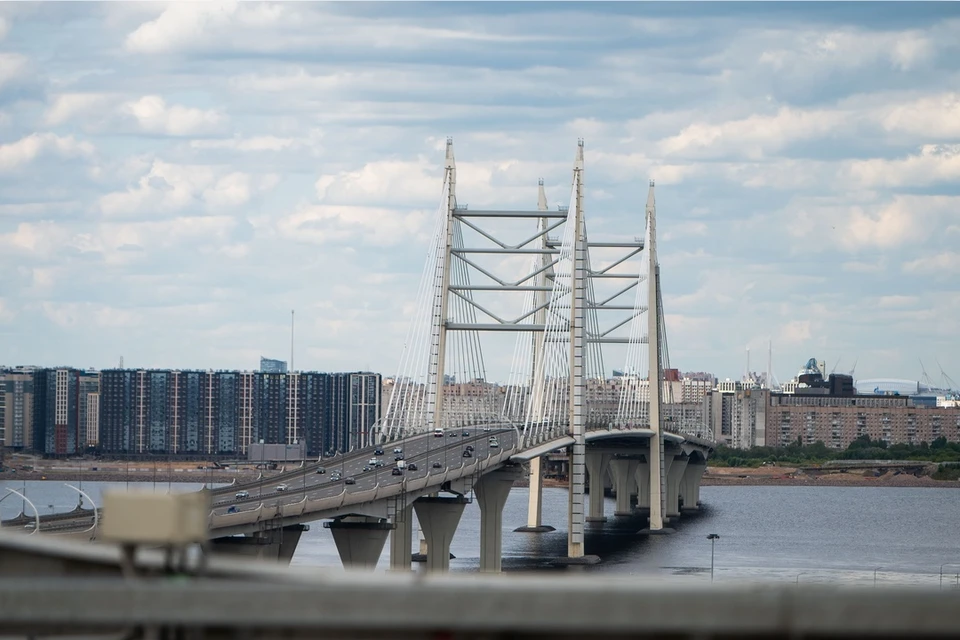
{"x":16,"y":408}
{"x":365,"y":390}
{"x":60,"y":409}
{"x":268,"y":365}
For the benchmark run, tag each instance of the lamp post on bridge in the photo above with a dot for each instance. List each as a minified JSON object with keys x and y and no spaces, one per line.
{"x":713,"y":542}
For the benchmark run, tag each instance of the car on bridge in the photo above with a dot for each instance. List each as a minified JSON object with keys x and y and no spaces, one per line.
{"x":396,"y":471}
{"x":452,"y":434}
{"x":350,"y":480}
{"x":281,"y":488}
{"x":367,"y":468}
{"x":242,"y":494}
{"x":412,"y":467}
{"x":469,"y":447}
{"x":372,"y":461}
{"x":378,"y":452}
{"x":398,"y":458}
{"x":321,"y":470}
{"x":397,"y":450}
{"x":437,"y":465}
{"x":466,"y":434}
{"x":467,"y":453}
{"x":438,"y":433}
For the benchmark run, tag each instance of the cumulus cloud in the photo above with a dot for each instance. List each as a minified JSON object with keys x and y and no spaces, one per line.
{"x":168,"y":187}
{"x":12,"y":66}
{"x":805,"y":171}
{"x":68,"y":105}
{"x":25,"y":150}
{"x":154,"y":115}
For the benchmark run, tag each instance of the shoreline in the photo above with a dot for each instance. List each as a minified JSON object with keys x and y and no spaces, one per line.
{"x":718,"y":477}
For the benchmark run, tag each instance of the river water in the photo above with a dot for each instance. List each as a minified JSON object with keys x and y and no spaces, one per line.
{"x":786,"y":534}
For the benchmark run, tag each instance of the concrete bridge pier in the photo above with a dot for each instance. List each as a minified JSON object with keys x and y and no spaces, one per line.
{"x":535,"y":503}
{"x":438,"y":519}
{"x":596,"y":474}
{"x":643,"y":482}
{"x":359,"y":540}
{"x":492,"y":491}
{"x":674,"y":478}
{"x":624,"y":473}
{"x":272,"y":544}
{"x":401,"y":538}
{"x":690,"y":485}
{"x":642,"y":477}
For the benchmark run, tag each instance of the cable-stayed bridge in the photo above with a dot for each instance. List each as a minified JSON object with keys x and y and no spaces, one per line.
{"x":535,"y":274}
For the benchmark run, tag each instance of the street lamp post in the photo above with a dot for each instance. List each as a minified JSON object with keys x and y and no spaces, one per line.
{"x":713,"y":541}
{"x":262,"y":456}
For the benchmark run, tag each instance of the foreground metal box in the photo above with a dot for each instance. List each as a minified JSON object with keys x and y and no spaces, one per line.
{"x":141,"y":517}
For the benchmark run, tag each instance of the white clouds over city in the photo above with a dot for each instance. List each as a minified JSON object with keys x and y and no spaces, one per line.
{"x":174,"y":178}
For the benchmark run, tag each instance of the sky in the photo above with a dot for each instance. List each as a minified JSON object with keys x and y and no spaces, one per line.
{"x":175,"y":178}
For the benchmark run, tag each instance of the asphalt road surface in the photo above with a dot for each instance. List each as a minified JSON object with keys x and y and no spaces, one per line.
{"x":423,"y":450}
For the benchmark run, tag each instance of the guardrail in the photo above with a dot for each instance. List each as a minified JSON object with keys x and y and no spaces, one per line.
{"x":261,"y":604}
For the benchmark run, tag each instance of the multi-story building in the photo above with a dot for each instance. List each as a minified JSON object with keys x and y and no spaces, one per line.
{"x":16,"y":408}
{"x":60,"y":409}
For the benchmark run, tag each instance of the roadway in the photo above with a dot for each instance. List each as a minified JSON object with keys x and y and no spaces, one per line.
{"x":422,"y":450}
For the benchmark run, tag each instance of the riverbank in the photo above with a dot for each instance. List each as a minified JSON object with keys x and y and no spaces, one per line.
{"x":715,"y":476}
{"x":793,"y":477}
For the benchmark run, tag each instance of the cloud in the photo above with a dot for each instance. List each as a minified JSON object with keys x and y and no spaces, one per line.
{"x":935,"y":115}
{"x":933,"y":164}
{"x":67,"y":105}
{"x":795,"y":332}
{"x":329,"y":224}
{"x":752,"y":137}
{"x":946,"y":263}
{"x":24,"y":151}
{"x":901,"y":221}
{"x":154,"y":116}
{"x":168,"y":187}
{"x":12,"y":65}
{"x":154,"y":178}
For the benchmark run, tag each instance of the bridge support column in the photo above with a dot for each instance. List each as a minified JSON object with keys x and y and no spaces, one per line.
{"x":597,"y":472}
{"x":359,"y":540}
{"x":674,"y":478}
{"x":438,"y":519}
{"x":690,"y":485}
{"x":624,"y":474}
{"x":400,"y":539}
{"x":492,"y":491}
{"x":644,"y":480}
{"x":535,"y":503}
{"x":276,"y":544}
{"x":642,"y":475}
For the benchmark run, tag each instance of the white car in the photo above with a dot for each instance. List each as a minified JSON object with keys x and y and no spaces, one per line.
{"x":242,"y":494}
{"x":397,"y":450}
{"x":281,"y":487}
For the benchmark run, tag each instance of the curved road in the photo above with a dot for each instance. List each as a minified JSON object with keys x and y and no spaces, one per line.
{"x":423,"y":450}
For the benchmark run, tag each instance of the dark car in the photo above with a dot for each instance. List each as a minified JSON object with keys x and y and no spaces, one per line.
{"x":437,"y":465}
{"x":412,"y":467}
{"x":396,"y":472}
{"x":321,"y":470}
{"x":469,"y":447}
{"x":350,"y":480}
{"x":232,"y":510}
{"x":378,"y":452}
{"x":367,"y":468}
{"x":467,"y":454}
{"x":466,"y":434}
{"x":398,"y":458}
{"x":452,"y":434}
